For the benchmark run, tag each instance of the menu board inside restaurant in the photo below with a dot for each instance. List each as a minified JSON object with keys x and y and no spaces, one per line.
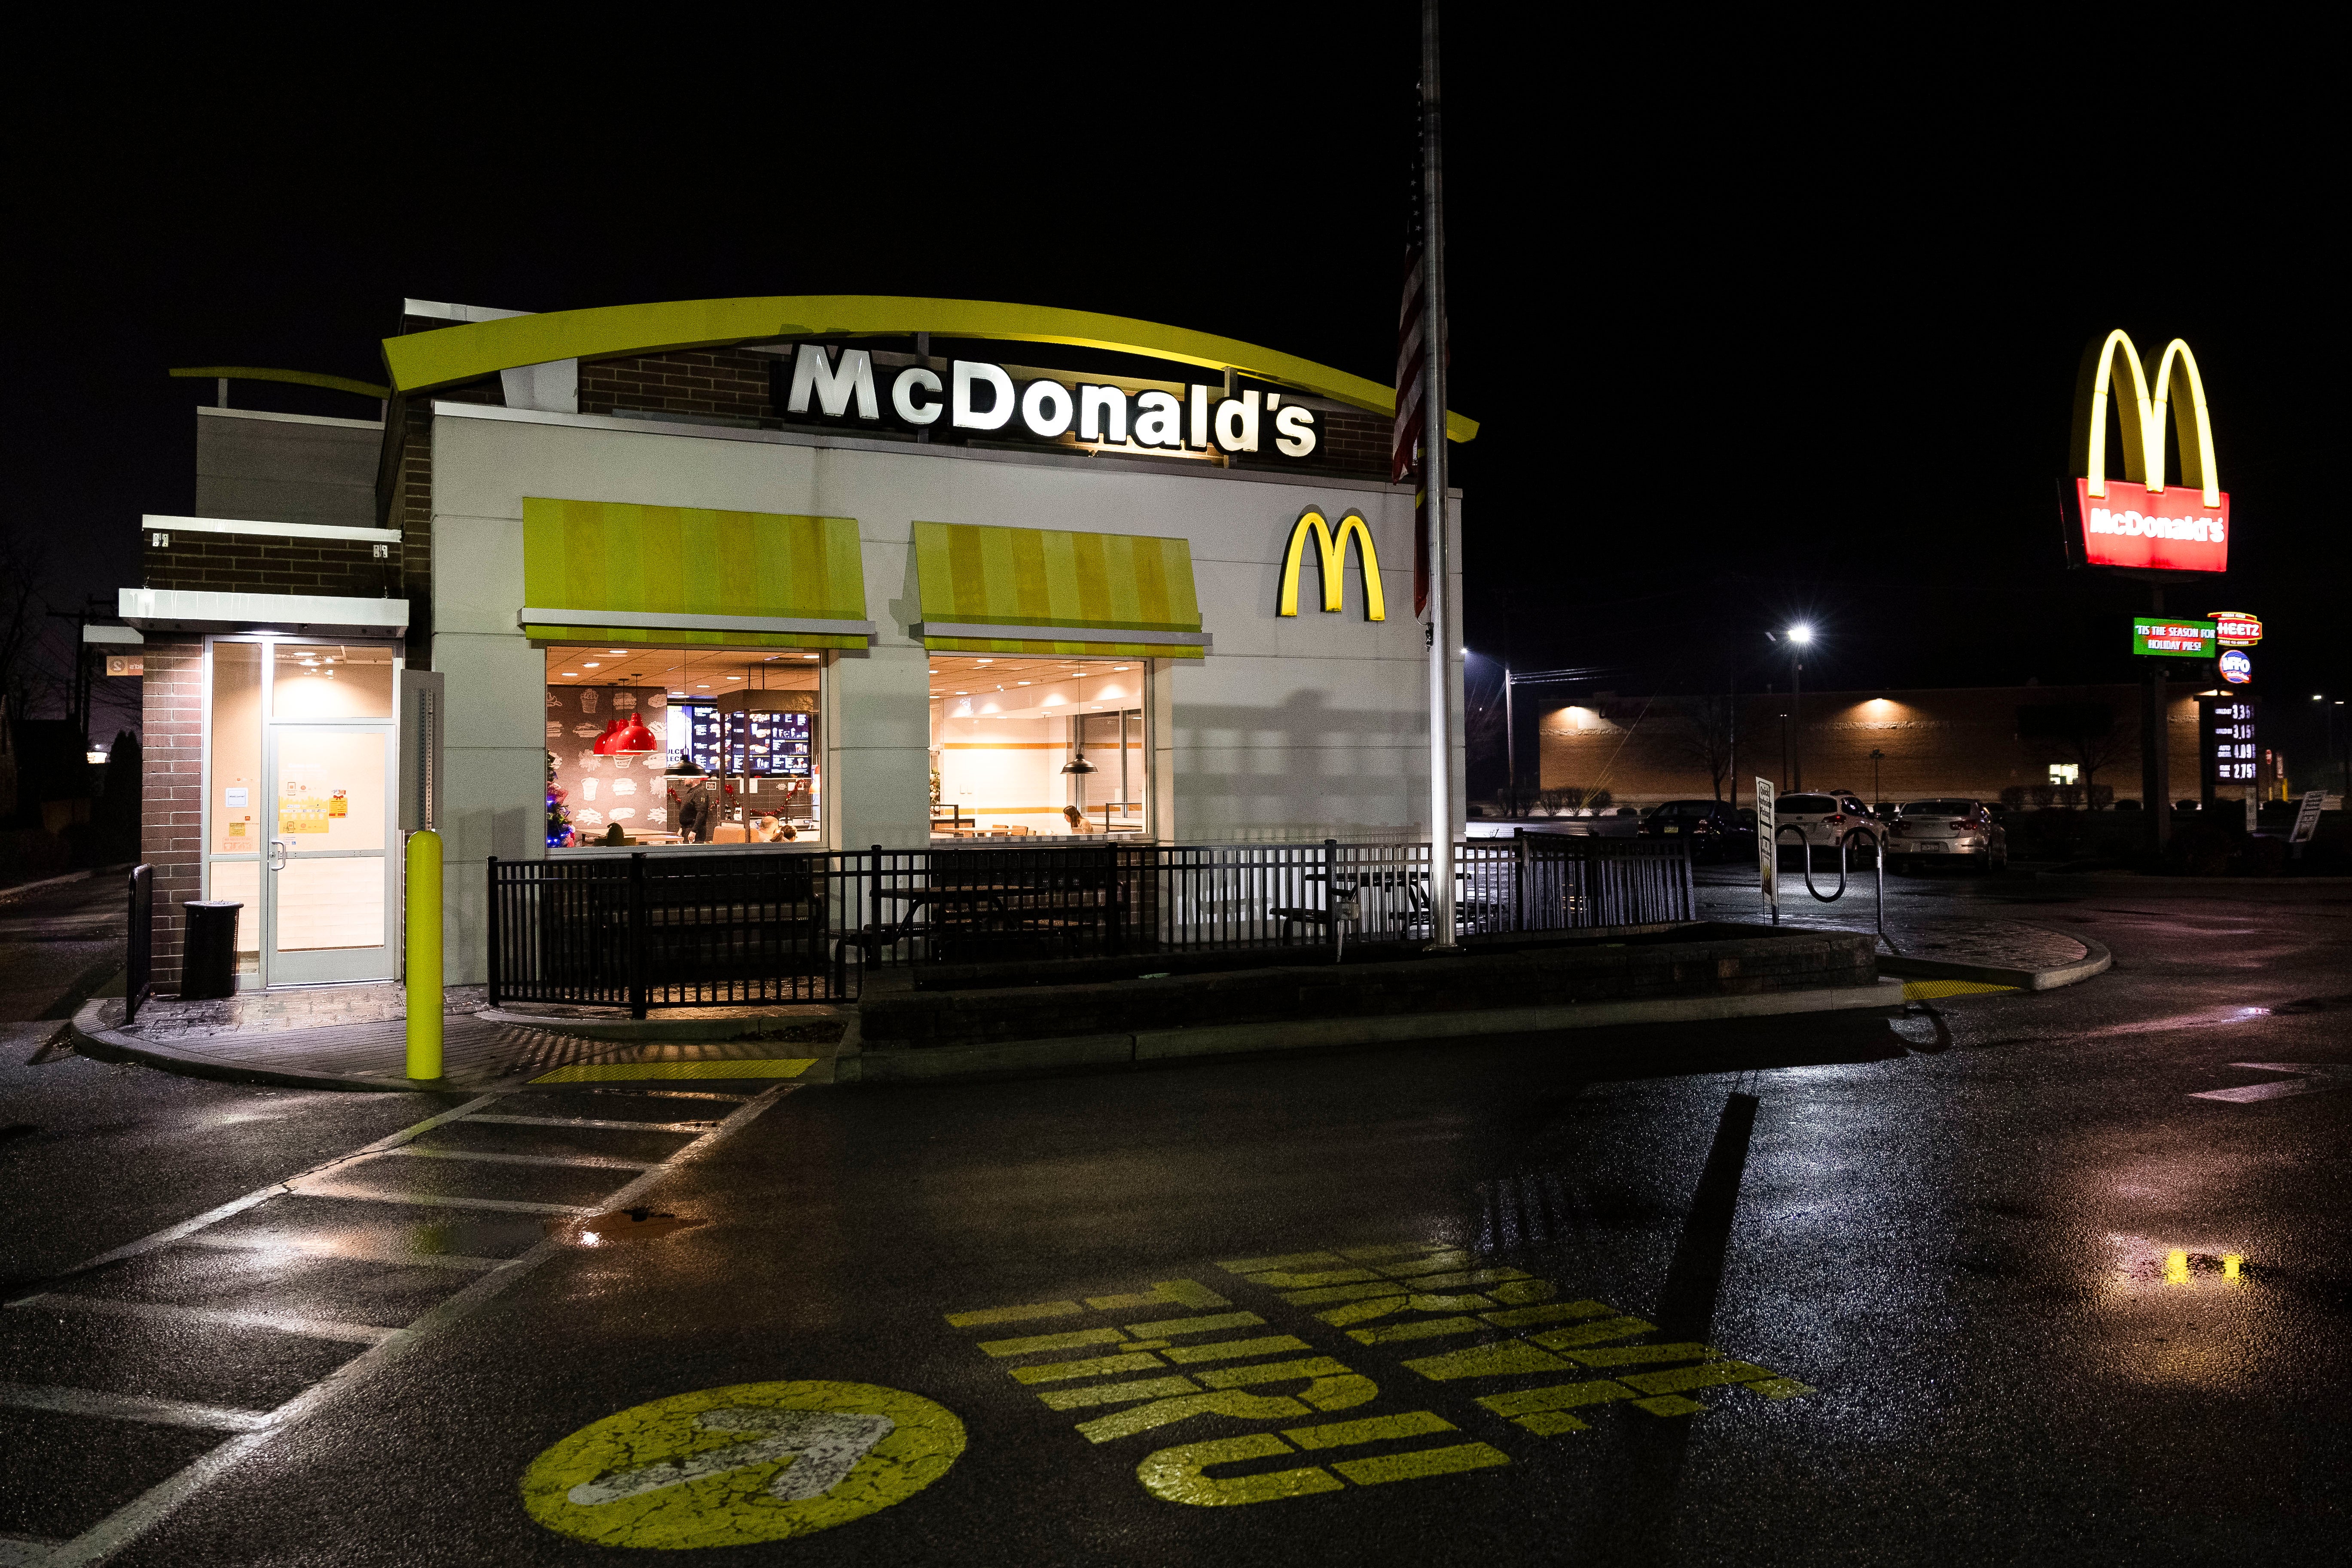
{"x":756,"y":744}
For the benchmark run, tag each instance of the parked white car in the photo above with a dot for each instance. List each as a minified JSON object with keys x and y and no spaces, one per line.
{"x":1931,"y":830}
{"x":1826,"y":818}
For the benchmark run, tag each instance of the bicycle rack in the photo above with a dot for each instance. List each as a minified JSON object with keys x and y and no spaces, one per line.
{"x":1878,"y":864}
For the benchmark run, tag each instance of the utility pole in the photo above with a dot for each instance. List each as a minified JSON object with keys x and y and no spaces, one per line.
{"x":1796,"y":716}
{"x":77,"y":690}
{"x":1511,"y":733}
{"x":2155,"y":760}
{"x":1433,"y":472}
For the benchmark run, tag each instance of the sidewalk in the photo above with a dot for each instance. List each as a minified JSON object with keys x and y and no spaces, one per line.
{"x":1980,"y":950}
{"x":356,"y":1037}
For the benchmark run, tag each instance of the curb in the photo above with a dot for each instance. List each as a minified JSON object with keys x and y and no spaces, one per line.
{"x":772,"y":1026}
{"x":91,"y":1038}
{"x":2095,"y":960}
{"x":2284,"y":889}
{"x":938,"y":1064}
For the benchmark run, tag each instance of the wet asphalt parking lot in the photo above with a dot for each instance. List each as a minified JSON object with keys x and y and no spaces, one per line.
{"x":1987,"y":1283}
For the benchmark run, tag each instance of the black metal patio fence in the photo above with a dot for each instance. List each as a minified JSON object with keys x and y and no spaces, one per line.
{"x":705,"y":929}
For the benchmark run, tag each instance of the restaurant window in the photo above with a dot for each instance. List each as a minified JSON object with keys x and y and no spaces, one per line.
{"x":1025,"y":746}
{"x":661,"y":746}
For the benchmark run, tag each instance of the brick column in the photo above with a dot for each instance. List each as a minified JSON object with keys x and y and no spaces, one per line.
{"x":171,"y":831}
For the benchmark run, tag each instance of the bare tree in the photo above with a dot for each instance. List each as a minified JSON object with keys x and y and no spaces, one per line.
{"x":24,"y":618}
{"x":1703,"y":735}
{"x":2084,"y":732}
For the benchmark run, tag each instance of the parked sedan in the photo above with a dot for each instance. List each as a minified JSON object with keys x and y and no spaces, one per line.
{"x":1715,"y":830}
{"x":1930,"y":830}
{"x":1826,"y":819}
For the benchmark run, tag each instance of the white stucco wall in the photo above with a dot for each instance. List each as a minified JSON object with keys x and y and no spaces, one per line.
{"x":1303,"y":727}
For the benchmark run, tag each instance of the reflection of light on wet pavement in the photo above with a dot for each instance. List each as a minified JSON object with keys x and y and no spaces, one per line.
{"x":2203,"y":1018}
{"x":2179,"y":1260}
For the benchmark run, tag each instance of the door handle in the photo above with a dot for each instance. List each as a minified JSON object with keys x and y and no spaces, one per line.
{"x":278,"y":848}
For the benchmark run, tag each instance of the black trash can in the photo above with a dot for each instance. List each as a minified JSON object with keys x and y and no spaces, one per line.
{"x":208,"y":965}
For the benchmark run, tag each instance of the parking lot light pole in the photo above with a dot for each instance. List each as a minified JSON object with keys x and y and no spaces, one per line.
{"x":1799,"y":636}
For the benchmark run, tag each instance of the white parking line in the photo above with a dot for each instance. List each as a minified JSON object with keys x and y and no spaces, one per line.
{"x":142,"y":1513}
{"x":171,"y":1234}
{"x":132,"y":1407}
{"x":586,"y":1161}
{"x":585,"y":1122}
{"x":310,"y":1328}
{"x":442,"y":1200}
{"x":355,"y":1252}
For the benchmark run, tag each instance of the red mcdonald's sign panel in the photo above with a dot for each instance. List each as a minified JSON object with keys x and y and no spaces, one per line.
{"x":2171,"y":529}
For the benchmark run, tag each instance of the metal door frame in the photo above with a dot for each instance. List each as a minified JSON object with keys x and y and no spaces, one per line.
{"x":267,"y":914}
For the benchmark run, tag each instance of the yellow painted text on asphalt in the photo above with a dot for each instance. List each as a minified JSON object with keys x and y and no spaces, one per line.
{"x":1416,"y":1316}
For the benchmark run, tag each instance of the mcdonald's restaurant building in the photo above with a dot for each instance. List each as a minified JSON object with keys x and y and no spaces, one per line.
{"x":703,"y":577}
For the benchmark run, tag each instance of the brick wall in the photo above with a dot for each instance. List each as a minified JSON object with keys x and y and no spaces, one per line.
{"x":1353,"y":443}
{"x":265,"y":564}
{"x":724,"y":382}
{"x":171,"y":834}
{"x":410,"y":508}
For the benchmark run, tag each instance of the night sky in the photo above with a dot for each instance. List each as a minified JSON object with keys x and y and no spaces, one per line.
{"x":1759,"y":327}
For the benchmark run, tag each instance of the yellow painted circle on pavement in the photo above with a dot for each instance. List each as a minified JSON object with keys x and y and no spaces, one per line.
{"x":750,"y":1462}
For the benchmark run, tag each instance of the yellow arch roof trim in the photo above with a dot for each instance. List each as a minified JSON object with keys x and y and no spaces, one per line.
{"x":293,"y":377}
{"x":420,"y":362}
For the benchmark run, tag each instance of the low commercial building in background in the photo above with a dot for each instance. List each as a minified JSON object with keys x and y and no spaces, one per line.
{"x":2021,"y":746}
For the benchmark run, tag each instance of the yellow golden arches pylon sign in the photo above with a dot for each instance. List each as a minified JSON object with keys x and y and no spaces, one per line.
{"x":2137,"y":521}
{"x":1331,"y":547}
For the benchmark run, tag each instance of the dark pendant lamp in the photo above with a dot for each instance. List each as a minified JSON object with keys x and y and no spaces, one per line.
{"x":1078,"y":764}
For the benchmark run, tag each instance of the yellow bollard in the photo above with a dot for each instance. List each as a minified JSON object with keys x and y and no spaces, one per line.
{"x":424,"y":955}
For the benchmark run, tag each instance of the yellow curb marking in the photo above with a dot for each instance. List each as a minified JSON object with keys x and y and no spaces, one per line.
{"x":618,"y":1072}
{"x":740,"y":1465}
{"x":1929,"y":990}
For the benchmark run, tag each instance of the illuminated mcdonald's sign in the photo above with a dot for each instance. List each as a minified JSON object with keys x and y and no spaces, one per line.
{"x":1331,"y":547}
{"x":2138,"y":521}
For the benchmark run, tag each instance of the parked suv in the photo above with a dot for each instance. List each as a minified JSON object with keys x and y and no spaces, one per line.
{"x":1930,"y":830}
{"x":1715,"y":830}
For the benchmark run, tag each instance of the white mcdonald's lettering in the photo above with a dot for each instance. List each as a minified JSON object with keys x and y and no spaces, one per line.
{"x":2142,"y":419}
{"x":2203,"y":530}
{"x":1331,"y":547}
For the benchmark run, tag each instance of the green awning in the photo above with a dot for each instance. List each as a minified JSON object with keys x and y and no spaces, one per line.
{"x":1047,"y":591}
{"x":677,"y":577}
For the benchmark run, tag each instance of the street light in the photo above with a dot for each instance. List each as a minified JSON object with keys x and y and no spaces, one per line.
{"x":1798,"y":636}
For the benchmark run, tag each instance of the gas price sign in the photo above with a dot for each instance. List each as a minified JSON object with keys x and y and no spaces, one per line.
{"x":2231,"y":747}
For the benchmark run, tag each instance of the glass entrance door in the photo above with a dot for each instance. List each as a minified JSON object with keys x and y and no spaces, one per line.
{"x":327,"y":894}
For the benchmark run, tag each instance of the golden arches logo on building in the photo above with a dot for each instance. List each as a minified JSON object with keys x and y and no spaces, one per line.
{"x":2176,"y":387}
{"x":1331,"y":548}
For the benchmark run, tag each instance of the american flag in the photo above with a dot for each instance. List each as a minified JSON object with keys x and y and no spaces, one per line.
{"x":1413,"y":359}
{"x":1410,"y":356}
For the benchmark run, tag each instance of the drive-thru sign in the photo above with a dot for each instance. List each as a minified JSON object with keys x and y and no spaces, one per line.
{"x":1767,"y":852}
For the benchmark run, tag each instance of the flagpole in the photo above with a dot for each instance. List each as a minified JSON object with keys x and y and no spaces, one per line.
{"x":1433,"y":475}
